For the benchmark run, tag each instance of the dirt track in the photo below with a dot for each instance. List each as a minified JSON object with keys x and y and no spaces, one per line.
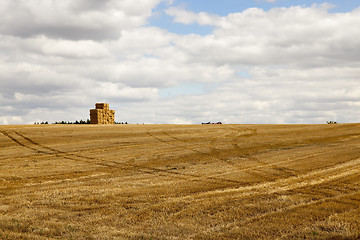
{"x":180,"y":182}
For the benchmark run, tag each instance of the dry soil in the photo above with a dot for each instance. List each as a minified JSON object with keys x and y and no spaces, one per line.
{"x":180,"y":181}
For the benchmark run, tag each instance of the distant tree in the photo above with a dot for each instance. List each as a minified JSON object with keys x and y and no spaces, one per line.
{"x":76,"y":122}
{"x":121,"y":122}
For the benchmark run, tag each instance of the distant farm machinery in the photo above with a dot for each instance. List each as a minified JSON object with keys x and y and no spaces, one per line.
{"x":212,"y":123}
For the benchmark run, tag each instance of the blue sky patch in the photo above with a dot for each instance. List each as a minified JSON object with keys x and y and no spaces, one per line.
{"x":244,"y":74}
{"x":223,"y":8}
{"x":162,"y":20}
{"x":166,"y":22}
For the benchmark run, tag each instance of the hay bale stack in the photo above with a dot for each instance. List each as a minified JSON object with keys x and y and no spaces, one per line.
{"x":104,"y":106}
{"x":102,"y":114}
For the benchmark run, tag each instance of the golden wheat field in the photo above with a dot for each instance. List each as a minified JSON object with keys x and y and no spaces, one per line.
{"x":180,"y":181}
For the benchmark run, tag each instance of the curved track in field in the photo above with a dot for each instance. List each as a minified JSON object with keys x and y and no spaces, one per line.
{"x":185,"y":182}
{"x":177,"y":144}
{"x":28,"y":143}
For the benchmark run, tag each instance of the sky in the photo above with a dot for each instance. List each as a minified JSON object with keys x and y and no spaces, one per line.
{"x":180,"y":62}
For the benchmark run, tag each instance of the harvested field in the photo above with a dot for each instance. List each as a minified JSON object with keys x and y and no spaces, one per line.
{"x":180,"y":181}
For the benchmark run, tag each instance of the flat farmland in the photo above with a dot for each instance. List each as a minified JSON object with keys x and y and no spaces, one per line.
{"x":180,"y":181}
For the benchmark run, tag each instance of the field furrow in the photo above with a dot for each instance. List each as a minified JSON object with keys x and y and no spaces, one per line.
{"x":180,"y":182}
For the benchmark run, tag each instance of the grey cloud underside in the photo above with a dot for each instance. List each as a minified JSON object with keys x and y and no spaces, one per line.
{"x":97,"y":5}
{"x":74,"y":20}
{"x":67,"y":32}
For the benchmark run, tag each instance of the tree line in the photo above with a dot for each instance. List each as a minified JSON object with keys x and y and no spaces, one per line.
{"x":76,"y":122}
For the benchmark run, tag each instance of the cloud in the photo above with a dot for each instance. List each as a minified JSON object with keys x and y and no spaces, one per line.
{"x":122,"y":93}
{"x":181,"y":15}
{"x":285,"y":65}
{"x":75,"y":20}
{"x":295,"y":35}
{"x":77,"y":49}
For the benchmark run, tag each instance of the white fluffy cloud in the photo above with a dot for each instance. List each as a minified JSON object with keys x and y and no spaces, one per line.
{"x":296,"y":36}
{"x":285,"y":65}
{"x":181,"y":15}
{"x":70,"y":19}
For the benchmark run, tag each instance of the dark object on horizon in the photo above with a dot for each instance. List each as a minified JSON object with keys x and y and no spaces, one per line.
{"x":76,"y":122}
{"x":212,"y":123}
{"x":41,"y":122}
{"x":331,"y":122}
{"x":121,"y":122}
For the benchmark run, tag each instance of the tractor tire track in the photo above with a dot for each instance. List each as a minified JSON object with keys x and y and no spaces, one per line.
{"x":39,"y":148}
{"x":315,"y":178}
{"x":282,"y":210}
{"x":277,"y":165}
{"x":312,"y":178}
{"x":260,"y":164}
{"x":45,"y":150}
{"x":7,"y":134}
{"x":239,"y":133}
{"x":319,"y":177}
{"x":193,"y":149}
{"x":338,"y":195}
{"x":216,"y":179}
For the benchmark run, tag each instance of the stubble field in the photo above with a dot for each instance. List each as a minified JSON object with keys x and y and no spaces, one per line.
{"x":180,"y":182}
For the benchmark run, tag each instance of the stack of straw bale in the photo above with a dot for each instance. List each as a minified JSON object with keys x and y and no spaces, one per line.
{"x":102,"y":114}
